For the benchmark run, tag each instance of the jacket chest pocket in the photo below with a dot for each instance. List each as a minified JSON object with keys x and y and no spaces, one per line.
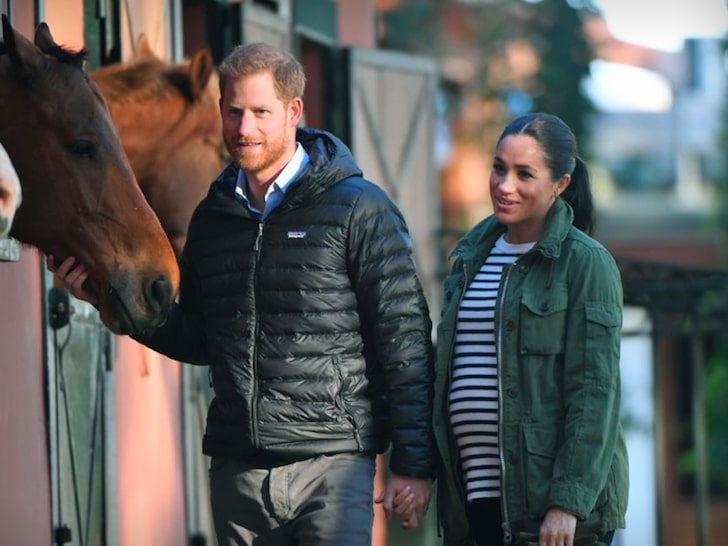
{"x":543,"y":320}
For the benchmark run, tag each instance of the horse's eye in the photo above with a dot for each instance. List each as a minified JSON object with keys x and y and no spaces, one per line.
{"x":83,"y":148}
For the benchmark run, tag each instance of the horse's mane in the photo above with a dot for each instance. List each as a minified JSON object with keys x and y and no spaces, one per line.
{"x":62,"y":54}
{"x":141,"y":80}
{"x":68,"y":56}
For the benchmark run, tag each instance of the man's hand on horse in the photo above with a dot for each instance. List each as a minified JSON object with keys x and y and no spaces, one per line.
{"x":72,"y":276}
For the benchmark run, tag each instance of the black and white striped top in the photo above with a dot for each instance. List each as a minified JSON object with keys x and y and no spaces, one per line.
{"x":474,"y":386}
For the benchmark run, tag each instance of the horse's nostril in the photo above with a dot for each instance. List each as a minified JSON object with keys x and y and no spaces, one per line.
{"x":159,"y":294}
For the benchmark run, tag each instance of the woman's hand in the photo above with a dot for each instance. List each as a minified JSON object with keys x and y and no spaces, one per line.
{"x":558,"y":528}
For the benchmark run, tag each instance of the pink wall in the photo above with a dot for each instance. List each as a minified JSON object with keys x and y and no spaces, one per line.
{"x":23,"y":18}
{"x":357,"y":23}
{"x":149,"y":447}
{"x":65,"y":19}
{"x":25,"y":506}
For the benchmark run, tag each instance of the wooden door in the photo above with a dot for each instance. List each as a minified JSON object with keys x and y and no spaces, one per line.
{"x":391,"y":132}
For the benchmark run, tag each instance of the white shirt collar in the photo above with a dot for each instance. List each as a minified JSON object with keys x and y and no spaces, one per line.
{"x":289,"y":173}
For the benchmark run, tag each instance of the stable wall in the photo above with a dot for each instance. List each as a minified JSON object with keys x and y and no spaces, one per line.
{"x":25,"y":503}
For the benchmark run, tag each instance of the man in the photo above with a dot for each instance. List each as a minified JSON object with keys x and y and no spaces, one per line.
{"x":299,"y":291}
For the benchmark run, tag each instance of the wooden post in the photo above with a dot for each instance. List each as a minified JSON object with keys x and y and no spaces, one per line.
{"x":702,"y":504}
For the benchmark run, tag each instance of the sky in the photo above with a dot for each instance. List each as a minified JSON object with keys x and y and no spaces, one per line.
{"x":658,"y":24}
{"x":664,"y":24}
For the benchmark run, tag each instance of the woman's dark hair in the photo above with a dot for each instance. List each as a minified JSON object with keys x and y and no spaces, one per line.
{"x":560,"y":153}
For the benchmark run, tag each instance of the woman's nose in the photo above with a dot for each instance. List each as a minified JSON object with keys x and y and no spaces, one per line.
{"x":505,"y":184}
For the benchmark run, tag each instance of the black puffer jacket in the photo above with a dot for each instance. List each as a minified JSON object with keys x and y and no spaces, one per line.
{"x":313,"y":321}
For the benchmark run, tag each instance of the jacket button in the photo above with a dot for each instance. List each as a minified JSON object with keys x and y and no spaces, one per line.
{"x":544,"y":307}
{"x":513,"y":393}
{"x":510,"y":326}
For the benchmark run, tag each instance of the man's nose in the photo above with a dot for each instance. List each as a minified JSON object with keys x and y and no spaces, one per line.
{"x":245,"y":123}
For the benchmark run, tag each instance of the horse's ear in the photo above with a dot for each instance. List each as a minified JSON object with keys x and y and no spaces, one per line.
{"x":144,"y":49}
{"x":43,"y":38}
{"x":8,"y":35}
{"x":23,"y":54}
{"x":201,"y":66}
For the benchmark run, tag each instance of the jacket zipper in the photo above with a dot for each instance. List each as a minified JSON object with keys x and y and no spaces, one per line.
{"x":505,"y":524}
{"x":254,"y":363}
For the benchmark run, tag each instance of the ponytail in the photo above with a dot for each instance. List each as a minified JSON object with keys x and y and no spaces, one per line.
{"x":578,"y":195}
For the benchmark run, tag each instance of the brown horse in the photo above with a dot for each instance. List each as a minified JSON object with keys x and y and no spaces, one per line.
{"x":169,"y":121}
{"x":80,"y":197}
{"x":10,"y":193}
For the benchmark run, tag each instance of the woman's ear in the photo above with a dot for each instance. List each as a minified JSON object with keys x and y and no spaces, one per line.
{"x":562,"y":184}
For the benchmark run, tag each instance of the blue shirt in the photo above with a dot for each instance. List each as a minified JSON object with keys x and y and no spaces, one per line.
{"x":277,"y":190}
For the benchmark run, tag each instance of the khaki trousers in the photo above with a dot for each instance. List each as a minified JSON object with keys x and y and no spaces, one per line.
{"x":323,"y":501}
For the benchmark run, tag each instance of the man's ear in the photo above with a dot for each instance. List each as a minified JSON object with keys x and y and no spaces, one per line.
{"x":295,"y":110}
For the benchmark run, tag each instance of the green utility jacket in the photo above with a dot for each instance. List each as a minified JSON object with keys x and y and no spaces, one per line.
{"x":557,"y":325}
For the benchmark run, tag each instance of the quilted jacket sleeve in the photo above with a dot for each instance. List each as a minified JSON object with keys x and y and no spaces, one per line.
{"x":397,"y":326}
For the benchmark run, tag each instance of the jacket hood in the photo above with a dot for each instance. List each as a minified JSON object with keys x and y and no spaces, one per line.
{"x":330,"y":159}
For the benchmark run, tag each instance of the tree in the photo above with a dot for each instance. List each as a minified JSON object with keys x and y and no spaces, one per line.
{"x":555,"y":27}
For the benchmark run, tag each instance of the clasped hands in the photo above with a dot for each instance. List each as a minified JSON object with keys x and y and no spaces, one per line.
{"x":408,"y":498}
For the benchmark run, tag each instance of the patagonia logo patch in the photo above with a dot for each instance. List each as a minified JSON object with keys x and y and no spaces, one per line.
{"x":296,"y":234}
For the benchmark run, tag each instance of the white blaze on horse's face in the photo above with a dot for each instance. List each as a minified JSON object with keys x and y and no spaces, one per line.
{"x":10,"y":194}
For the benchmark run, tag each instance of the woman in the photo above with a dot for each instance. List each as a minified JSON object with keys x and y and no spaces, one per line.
{"x":527,"y":390}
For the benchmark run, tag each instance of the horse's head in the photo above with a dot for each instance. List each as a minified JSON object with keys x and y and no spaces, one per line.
{"x":168,"y":117}
{"x":10,"y":194}
{"x":80,"y":197}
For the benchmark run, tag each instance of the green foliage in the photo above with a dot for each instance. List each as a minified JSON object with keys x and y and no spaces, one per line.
{"x":716,"y":392}
{"x":716,"y":415}
{"x":565,"y":58}
{"x":414,"y":26}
